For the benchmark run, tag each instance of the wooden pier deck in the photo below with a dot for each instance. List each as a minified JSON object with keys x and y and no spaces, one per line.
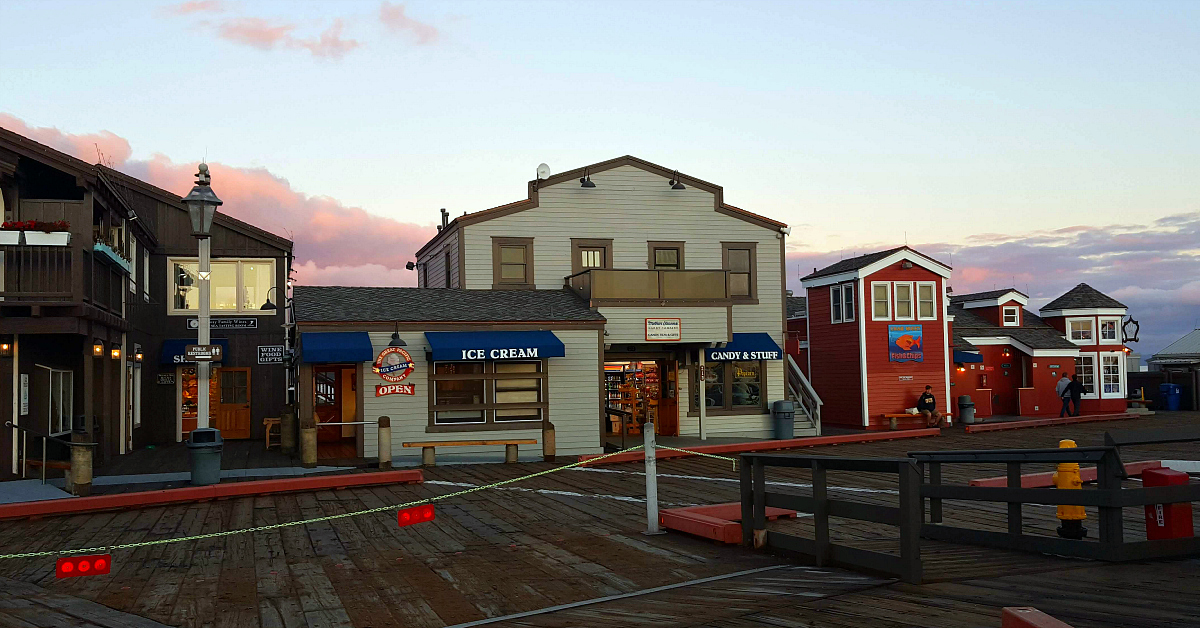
{"x":575,"y":536}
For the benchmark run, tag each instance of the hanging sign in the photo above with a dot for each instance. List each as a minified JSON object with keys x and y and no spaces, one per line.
{"x":663,"y":329}
{"x":225,"y":323}
{"x":393,"y":365}
{"x":395,"y":389}
{"x":904,"y":343}
{"x":270,"y":354}
{"x":203,"y":353}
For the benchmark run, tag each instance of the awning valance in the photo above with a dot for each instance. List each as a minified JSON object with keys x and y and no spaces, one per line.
{"x":747,"y":346}
{"x":336,"y":346}
{"x":174,"y":349}
{"x":494,"y":345}
{"x":965,"y":357}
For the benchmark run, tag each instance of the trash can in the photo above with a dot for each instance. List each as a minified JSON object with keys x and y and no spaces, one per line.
{"x":204,"y":449}
{"x":1171,"y":395}
{"x":966,"y":409}
{"x":783,"y":416}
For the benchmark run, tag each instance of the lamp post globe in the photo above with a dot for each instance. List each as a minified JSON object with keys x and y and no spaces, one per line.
{"x":202,"y":203}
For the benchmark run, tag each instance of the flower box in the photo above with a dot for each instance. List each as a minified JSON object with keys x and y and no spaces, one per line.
{"x":47,"y":238}
{"x":10,"y":238}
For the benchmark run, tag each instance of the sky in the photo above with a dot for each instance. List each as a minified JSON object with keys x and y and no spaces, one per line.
{"x":1035,"y":144}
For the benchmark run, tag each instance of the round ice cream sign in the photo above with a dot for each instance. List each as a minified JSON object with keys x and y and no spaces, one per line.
{"x":393,"y":364}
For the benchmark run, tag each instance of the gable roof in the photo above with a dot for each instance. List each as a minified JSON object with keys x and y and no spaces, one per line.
{"x":861,"y":262}
{"x":1187,"y":346}
{"x":1033,"y":332}
{"x":797,"y":307}
{"x":984,"y":296}
{"x":1082,"y":297}
{"x":628,"y":160}
{"x":337,"y":304}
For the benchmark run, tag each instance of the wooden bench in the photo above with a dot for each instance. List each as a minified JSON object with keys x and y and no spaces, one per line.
{"x":269,"y":423}
{"x":510,"y":447}
{"x":892,"y":418}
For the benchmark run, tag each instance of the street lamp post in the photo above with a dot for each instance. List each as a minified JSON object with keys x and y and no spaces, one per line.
{"x":201,"y":204}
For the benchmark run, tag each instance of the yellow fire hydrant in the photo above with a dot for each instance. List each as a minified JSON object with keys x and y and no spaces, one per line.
{"x":1067,"y":477}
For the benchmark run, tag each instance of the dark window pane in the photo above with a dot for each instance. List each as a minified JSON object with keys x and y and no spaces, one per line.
{"x":666,"y":258}
{"x":739,"y":284}
{"x":739,"y":260}
{"x":747,"y":384}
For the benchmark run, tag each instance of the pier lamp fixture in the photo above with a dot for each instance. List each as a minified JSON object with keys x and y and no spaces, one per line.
{"x":675,"y":183}
{"x":5,"y":349}
{"x":137,"y":357}
{"x":586,"y":181}
{"x":202,"y":205}
{"x":396,"y":340}
{"x":268,"y":305}
{"x":1006,"y":352}
{"x":98,"y":349}
{"x":116,"y":353}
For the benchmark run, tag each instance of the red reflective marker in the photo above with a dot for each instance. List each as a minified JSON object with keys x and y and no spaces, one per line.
{"x":416,"y":514}
{"x":76,"y":566}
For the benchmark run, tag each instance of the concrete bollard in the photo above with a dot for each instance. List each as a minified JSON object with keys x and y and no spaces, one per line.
{"x":308,"y":443}
{"x":548,"y":444}
{"x":81,"y":465}
{"x":385,"y":442}
{"x":287,"y":431}
{"x":427,"y":459}
{"x":510,"y":454}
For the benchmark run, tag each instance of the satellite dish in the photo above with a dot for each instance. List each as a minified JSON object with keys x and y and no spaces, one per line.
{"x":543,"y":171}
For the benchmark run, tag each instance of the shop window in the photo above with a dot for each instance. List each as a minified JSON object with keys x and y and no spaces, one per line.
{"x":61,"y":398}
{"x":512,"y":260}
{"x":881,"y":301}
{"x":1011,"y":316}
{"x":746,"y":385}
{"x":454,"y":394}
{"x":1080,"y":329}
{"x":486,"y":395}
{"x":666,"y":255}
{"x":590,"y":253}
{"x":1109,"y":331}
{"x":518,"y":391}
{"x":733,"y":387}
{"x":904,"y":301}
{"x":1110,"y":375}
{"x":740,"y":259}
{"x":234,"y":285}
{"x":1085,"y":370}
{"x":714,"y":386}
{"x":926,"y":301}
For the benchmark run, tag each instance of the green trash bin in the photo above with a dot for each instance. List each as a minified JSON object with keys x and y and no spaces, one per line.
{"x":204,"y":449}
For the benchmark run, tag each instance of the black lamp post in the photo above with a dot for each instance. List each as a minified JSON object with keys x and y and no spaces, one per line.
{"x":202,"y":204}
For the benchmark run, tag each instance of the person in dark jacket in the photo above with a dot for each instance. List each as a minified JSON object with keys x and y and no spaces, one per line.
{"x":1063,"y":390}
{"x":1076,"y":390}
{"x":927,"y":405}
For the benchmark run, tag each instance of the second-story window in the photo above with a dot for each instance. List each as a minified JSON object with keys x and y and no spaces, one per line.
{"x":591,"y":258}
{"x":512,"y":263}
{"x":589,"y":253}
{"x":1012,"y":316}
{"x":739,"y":259}
{"x":904,"y":301}
{"x":234,"y":285}
{"x":926,"y":302}
{"x":666,"y":255}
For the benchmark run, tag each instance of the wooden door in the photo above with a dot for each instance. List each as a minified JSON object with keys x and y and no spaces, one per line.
{"x":668,"y":405}
{"x":327,"y":401}
{"x":233,"y":406}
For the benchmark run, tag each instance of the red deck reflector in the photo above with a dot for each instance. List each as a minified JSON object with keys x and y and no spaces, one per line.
{"x":75,"y":566}
{"x":416,"y":514}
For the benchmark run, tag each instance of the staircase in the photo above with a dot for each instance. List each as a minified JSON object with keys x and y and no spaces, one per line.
{"x":808,"y":404}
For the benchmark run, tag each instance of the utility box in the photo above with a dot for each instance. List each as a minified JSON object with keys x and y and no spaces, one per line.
{"x":1167,"y":521}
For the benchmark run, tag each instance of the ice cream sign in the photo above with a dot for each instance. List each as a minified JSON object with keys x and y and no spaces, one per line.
{"x":904,"y":343}
{"x":393,"y":364}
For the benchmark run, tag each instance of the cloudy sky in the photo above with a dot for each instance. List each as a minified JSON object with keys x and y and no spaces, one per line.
{"x":1037,"y":144}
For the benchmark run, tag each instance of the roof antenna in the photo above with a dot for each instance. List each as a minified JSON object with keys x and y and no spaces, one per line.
{"x":905,"y":238}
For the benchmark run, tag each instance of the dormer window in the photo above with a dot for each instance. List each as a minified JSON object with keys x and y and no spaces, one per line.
{"x":1080,"y":330}
{"x":1011,"y":316}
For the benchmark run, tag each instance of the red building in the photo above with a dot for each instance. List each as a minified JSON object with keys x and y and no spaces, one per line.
{"x":797,"y":332}
{"x":877,"y":335}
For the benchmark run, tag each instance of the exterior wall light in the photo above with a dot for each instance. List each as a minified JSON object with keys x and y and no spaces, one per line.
{"x":137,"y":357}
{"x":5,"y":349}
{"x":98,"y":349}
{"x":116,"y":353}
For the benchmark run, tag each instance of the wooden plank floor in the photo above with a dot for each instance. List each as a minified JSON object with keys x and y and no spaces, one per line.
{"x":557,"y":539}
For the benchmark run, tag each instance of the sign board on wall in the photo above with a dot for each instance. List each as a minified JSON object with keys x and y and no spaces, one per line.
{"x":395,"y":389}
{"x":225,"y":323}
{"x":202,"y":353}
{"x":24,"y":393}
{"x":906,"y":378}
{"x":270,"y":354}
{"x":663,"y":329}
{"x":166,"y":378}
{"x":393,"y":365}
{"x":904,"y":343}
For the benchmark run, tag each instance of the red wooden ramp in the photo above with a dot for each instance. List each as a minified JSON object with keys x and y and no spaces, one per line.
{"x":120,"y":501}
{"x":976,"y":428}
{"x":719,"y":522}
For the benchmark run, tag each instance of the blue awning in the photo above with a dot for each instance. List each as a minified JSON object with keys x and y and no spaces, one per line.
{"x":174,"y":349}
{"x":755,"y":346}
{"x":494,"y":345}
{"x":964,"y":357}
{"x":336,"y":346}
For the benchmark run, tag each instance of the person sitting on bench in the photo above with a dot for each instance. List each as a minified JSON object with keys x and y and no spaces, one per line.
{"x":927,"y":405}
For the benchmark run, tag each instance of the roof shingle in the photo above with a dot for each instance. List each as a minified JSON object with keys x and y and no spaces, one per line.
{"x":1033,"y":332}
{"x":983,"y":296}
{"x":358,"y":304}
{"x":797,"y":307}
{"x":1080,"y":297}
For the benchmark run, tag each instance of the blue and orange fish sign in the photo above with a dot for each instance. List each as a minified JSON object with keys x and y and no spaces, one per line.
{"x":904,"y":344}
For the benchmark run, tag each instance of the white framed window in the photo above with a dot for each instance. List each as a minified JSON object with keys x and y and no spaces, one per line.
{"x":1112,"y":376}
{"x":835,"y":304}
{"x":145,"y":274}
{"x":235,"y":285}
{"x":881,"y":301}
{"x":61,"y":400}
{"x":1110,"y":331}
{"x":926,"y":301}
{"x":904,"y":301}
{"x":1079,"y":330}
{"x":133,"y":268}
{"x":1085,"y":370}
{"x":1010,"y":316}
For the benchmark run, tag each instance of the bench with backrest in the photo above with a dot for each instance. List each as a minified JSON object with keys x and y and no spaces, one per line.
{"x":510,"y":447}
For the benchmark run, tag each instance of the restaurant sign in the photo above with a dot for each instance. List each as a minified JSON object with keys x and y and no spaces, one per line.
{"x":395,"y":389}
{"x":663,"y":329}
{"x":904,"y":343}
{"x":393,"y":365}
{"x":202,"y":353}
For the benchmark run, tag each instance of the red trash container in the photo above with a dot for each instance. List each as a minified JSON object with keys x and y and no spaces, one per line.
{"x":1167,"y":521}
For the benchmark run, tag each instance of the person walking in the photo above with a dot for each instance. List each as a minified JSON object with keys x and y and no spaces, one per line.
{"x":1076,"y":390}
{"x":1061,"y":389}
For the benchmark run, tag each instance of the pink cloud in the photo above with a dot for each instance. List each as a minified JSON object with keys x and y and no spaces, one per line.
{"x":396,"y":21}
{"x":330,"y":43}
{"x":255,"y":32}
{"x":195,"y":6}
{"x":333,"y":242}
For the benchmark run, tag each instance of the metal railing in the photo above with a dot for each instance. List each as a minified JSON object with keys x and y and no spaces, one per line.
{"x":804,"y":394}
{"x":639,"y":285}
{"x":45,"y":438}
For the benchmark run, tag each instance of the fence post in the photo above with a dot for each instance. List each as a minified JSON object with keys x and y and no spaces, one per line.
{"x":745,"y":472}
{"x":1014,"y":508}
{"x":760,"y":504}
{"x":651,"y":479}
{"x":549,"y":445}
{"x":935,"y":503}
{"x":820,"y":513}
{"x":81,"y":464}
{"x":287,"y":431}
{"x":308,"y":442}
{"x":912,"y":515}
{"x":1109,"y":473}
{"x":385,"y":442}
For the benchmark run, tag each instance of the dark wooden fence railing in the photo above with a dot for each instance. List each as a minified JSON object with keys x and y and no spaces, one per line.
{"x":37,"y":273}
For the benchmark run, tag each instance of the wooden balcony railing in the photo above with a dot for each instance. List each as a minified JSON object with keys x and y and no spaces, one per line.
{"x":637,"y":286}
{"x":58,"y":275}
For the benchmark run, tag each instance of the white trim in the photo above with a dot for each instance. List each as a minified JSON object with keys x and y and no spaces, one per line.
{"x":848,"y":289}
{"x":1082,"y":341}
{"x":1093,"y":311}
{"x":1095,"y":394}
{"x":933,"y":289}
{"x":124,"y":374}
{"x":888,"y":286}
{"x":1100,"y":326}
{"x":946,"y":355}
{"x":833,"y":320}
{"x":912,"y":301}
{"x":808,"y":354}
{"x":1121,"y":376}
{"x":907,"y":254}
{"x":984,"y":341}
{"x":829,"y":280}
{"x":1011,"y":295}
{"x":1004,"y":316}
{"x":862,"y":356}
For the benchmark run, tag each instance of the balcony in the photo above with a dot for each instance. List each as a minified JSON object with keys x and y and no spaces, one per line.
{"x":601,"y":286}
{"x":58,"y":276}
